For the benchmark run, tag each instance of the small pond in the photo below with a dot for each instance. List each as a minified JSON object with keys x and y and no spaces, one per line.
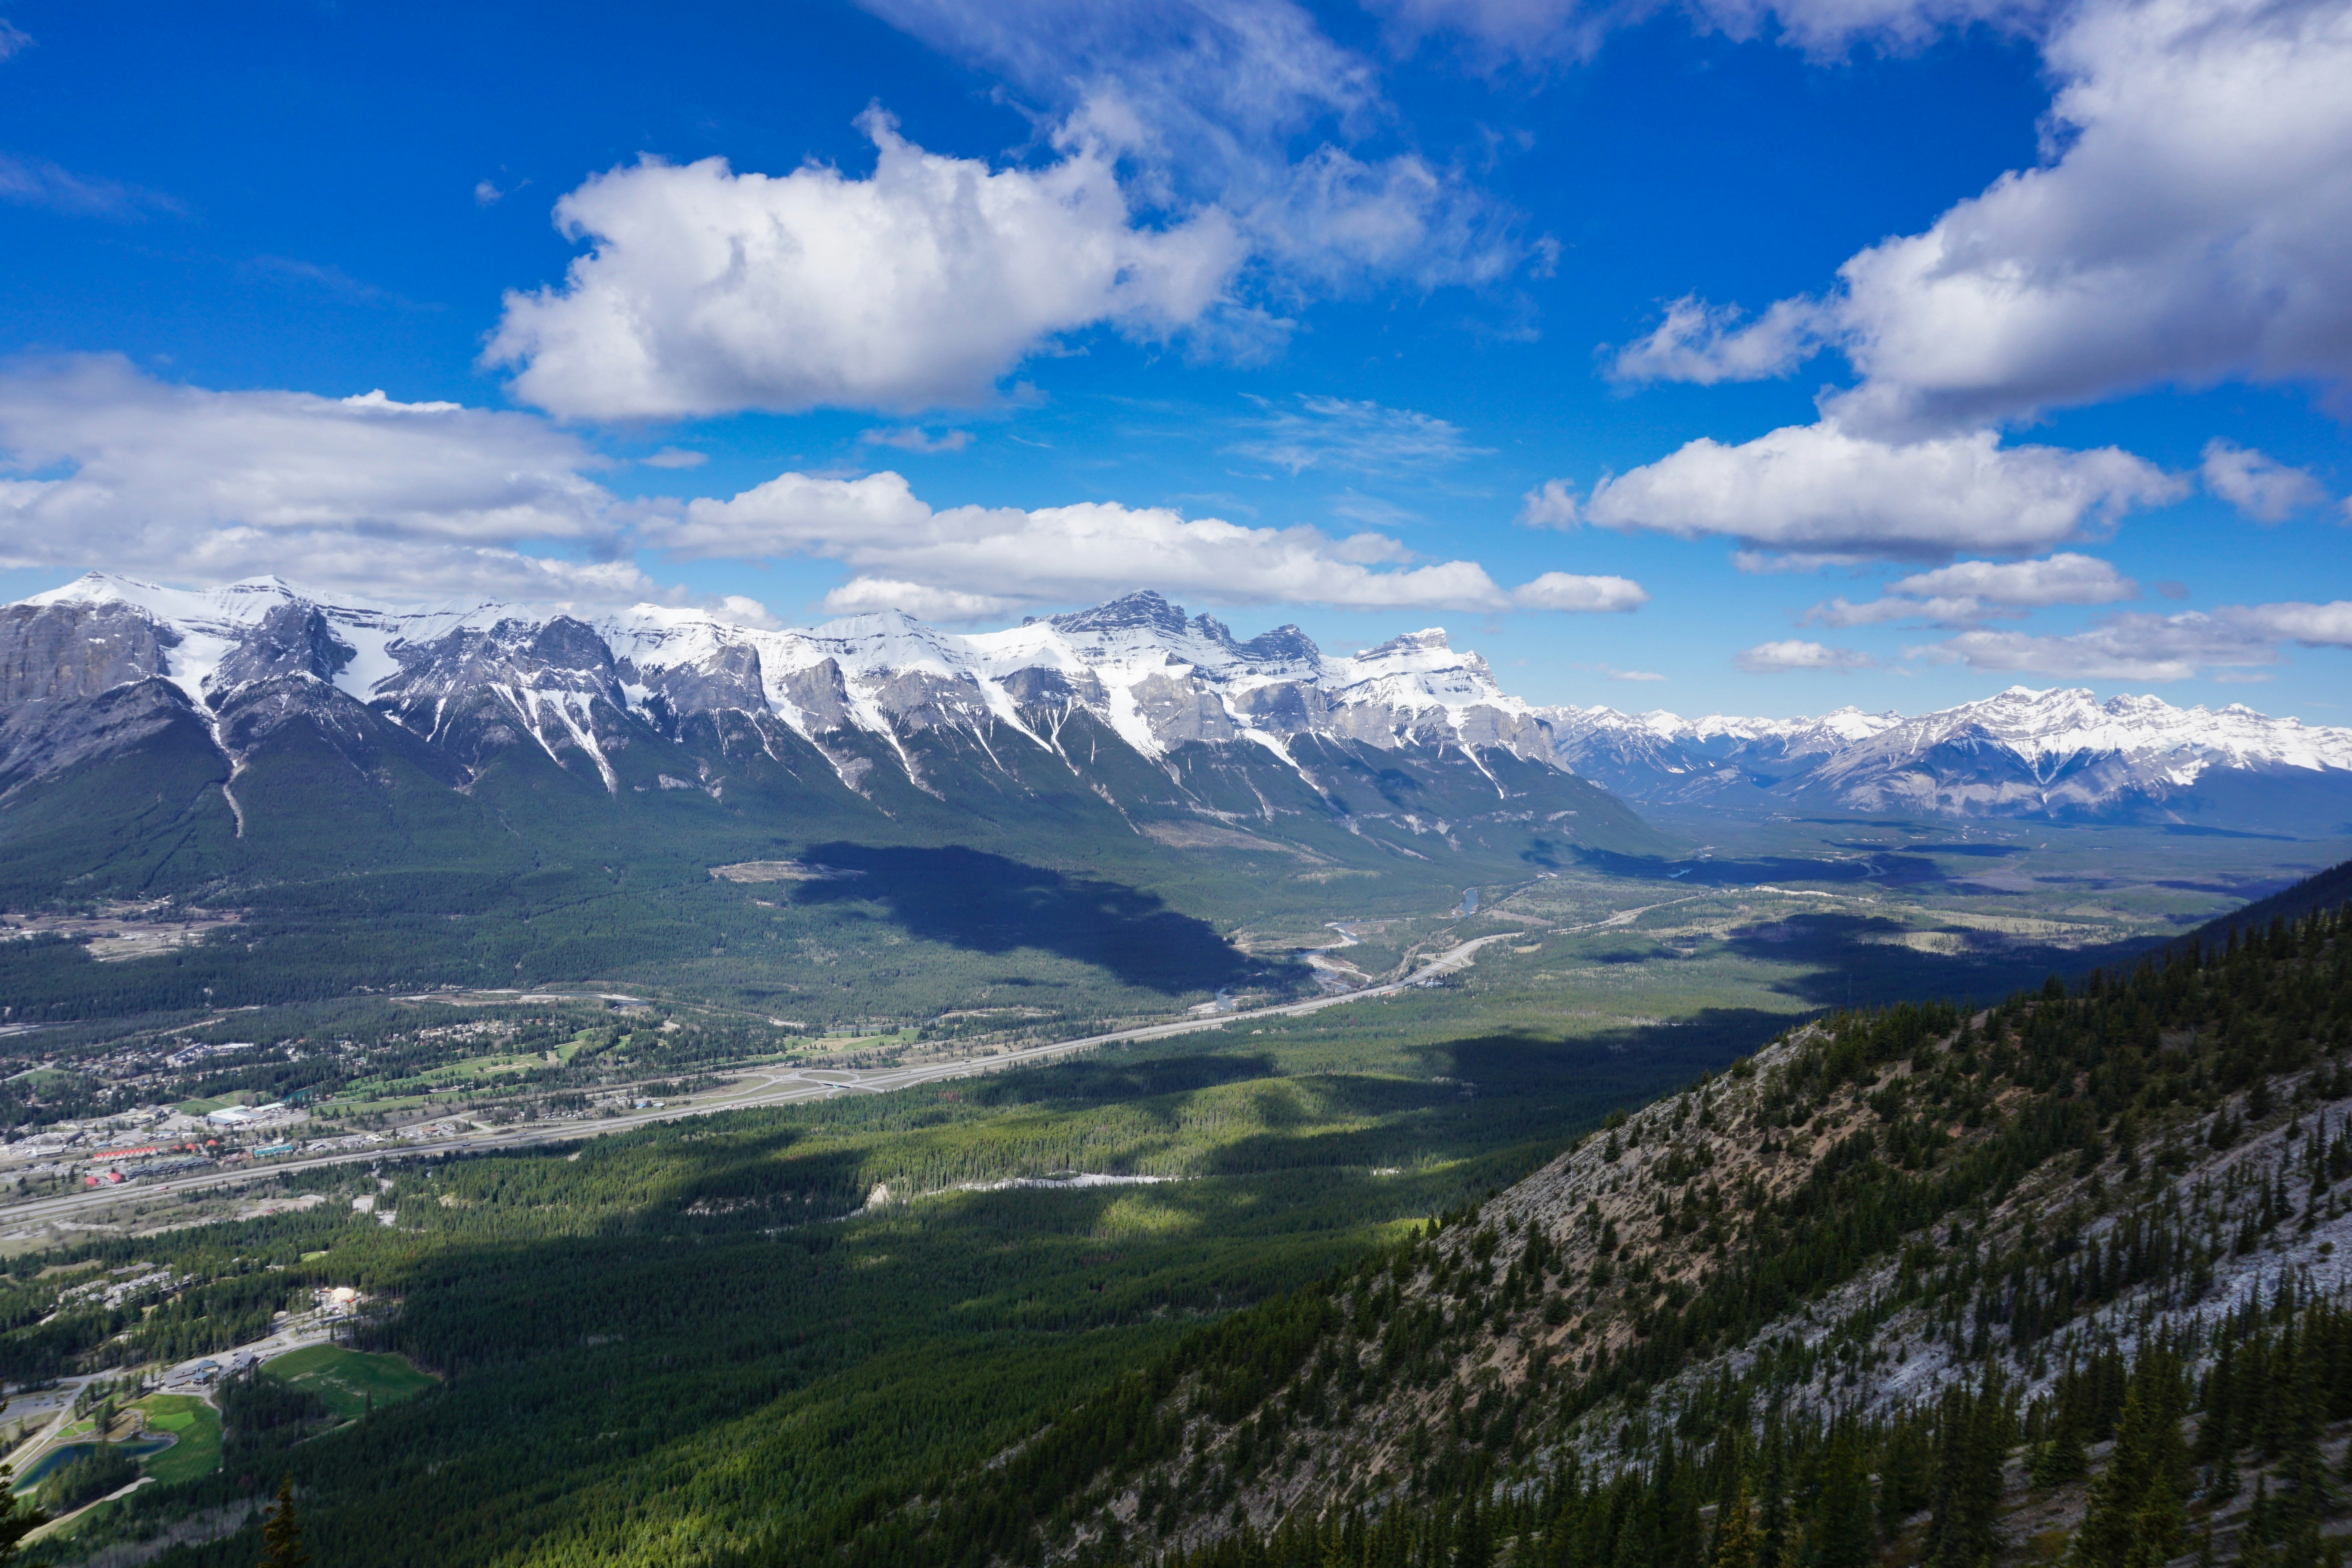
{"x":57,"y":1458}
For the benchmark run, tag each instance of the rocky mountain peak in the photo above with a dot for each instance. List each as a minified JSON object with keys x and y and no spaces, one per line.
{"x":1143,"y":610}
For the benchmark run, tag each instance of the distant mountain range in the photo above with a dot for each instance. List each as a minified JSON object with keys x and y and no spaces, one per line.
{"x":134,"y":718}
{"x":2057,"y":755}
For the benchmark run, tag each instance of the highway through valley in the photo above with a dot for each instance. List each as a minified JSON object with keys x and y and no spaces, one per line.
{"x":754,"y":1086}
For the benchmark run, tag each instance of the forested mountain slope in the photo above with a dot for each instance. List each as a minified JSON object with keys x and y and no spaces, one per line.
{"x":1892,"y":1282}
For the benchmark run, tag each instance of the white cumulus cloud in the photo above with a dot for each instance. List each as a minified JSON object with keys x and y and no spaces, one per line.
{"x":106,"y":465}
{"x":2236,"y":638}
{"x":103,"y":466}
{"x":1842,"y":612}
{"x":2122,"y":647}
{"x":2259,"y":486}
{"x":2188,"y":226}
{"x":2314,"y":625}
{"x":1823,"y":489}
{"x":708,"y":290}
{"x":1566,"y":591}
{"x":970,"y":561}
{"x":1551,"y":505}
{"x":2062,"y":579}
{"x":1708,"y":343}
{"x":1975,"y":590}
{"x":915,"y":438}
{"x":1793,"y":655}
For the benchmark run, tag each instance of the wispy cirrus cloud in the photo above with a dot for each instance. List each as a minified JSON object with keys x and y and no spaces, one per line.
{"x":1356,"y":436}
{"x":915,"y":438}
{"x":1539,"y":33}
{"x":1249,"y":106}
{"x":38,"y":183}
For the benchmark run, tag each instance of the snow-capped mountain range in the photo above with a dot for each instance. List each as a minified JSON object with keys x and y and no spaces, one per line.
{"x":469,"y":679}
{"x":256,"y":731}
{"x":1154,"y":677}
{"x":2021,"y":753}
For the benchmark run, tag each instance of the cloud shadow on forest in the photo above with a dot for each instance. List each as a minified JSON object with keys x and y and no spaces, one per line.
{"x":1894,"y":869}
{"x":1848,"y":961}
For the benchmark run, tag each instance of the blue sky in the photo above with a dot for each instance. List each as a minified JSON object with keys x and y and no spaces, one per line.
{"x":1725,"y":357}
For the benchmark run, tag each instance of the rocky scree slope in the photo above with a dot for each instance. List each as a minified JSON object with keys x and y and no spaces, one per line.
{"x":1876,"y":1217}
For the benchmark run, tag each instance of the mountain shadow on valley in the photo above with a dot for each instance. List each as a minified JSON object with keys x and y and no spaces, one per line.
{"x":988,"y":904}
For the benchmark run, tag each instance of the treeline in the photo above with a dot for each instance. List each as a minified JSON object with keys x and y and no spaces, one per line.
{"x":1774,"y":1492}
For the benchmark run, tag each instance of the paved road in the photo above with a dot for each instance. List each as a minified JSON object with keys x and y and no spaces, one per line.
{"x":761,"y":1086}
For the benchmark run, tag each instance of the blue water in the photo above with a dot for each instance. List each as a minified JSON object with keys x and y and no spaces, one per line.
{"x":56,"y":1459}
{"x":1469,"y":903}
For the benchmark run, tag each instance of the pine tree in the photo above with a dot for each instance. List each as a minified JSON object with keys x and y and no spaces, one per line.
{"x":2061,"y":1456}
{"x":281,"y":1534}
{"x":2136,"y":1502}
{"x":2307,"y":1474}
{"x":1903,"y":1479}
{"x":2255,"y":1535}
{"x":2295,"y":1520}
{"x":2217,"y":1436}
{"x":18,"y":1517}
{"x":1772,"y":1541}
{"x":2157,"y":1527}
{"x":1972,"y":1428}
{"x":1843,"y":1533}
{"x":1736,"y":1536}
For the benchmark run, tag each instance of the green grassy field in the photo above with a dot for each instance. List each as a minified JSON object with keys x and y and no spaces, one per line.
{"x":350,"y":1382}
{"x":197,"y":1425}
